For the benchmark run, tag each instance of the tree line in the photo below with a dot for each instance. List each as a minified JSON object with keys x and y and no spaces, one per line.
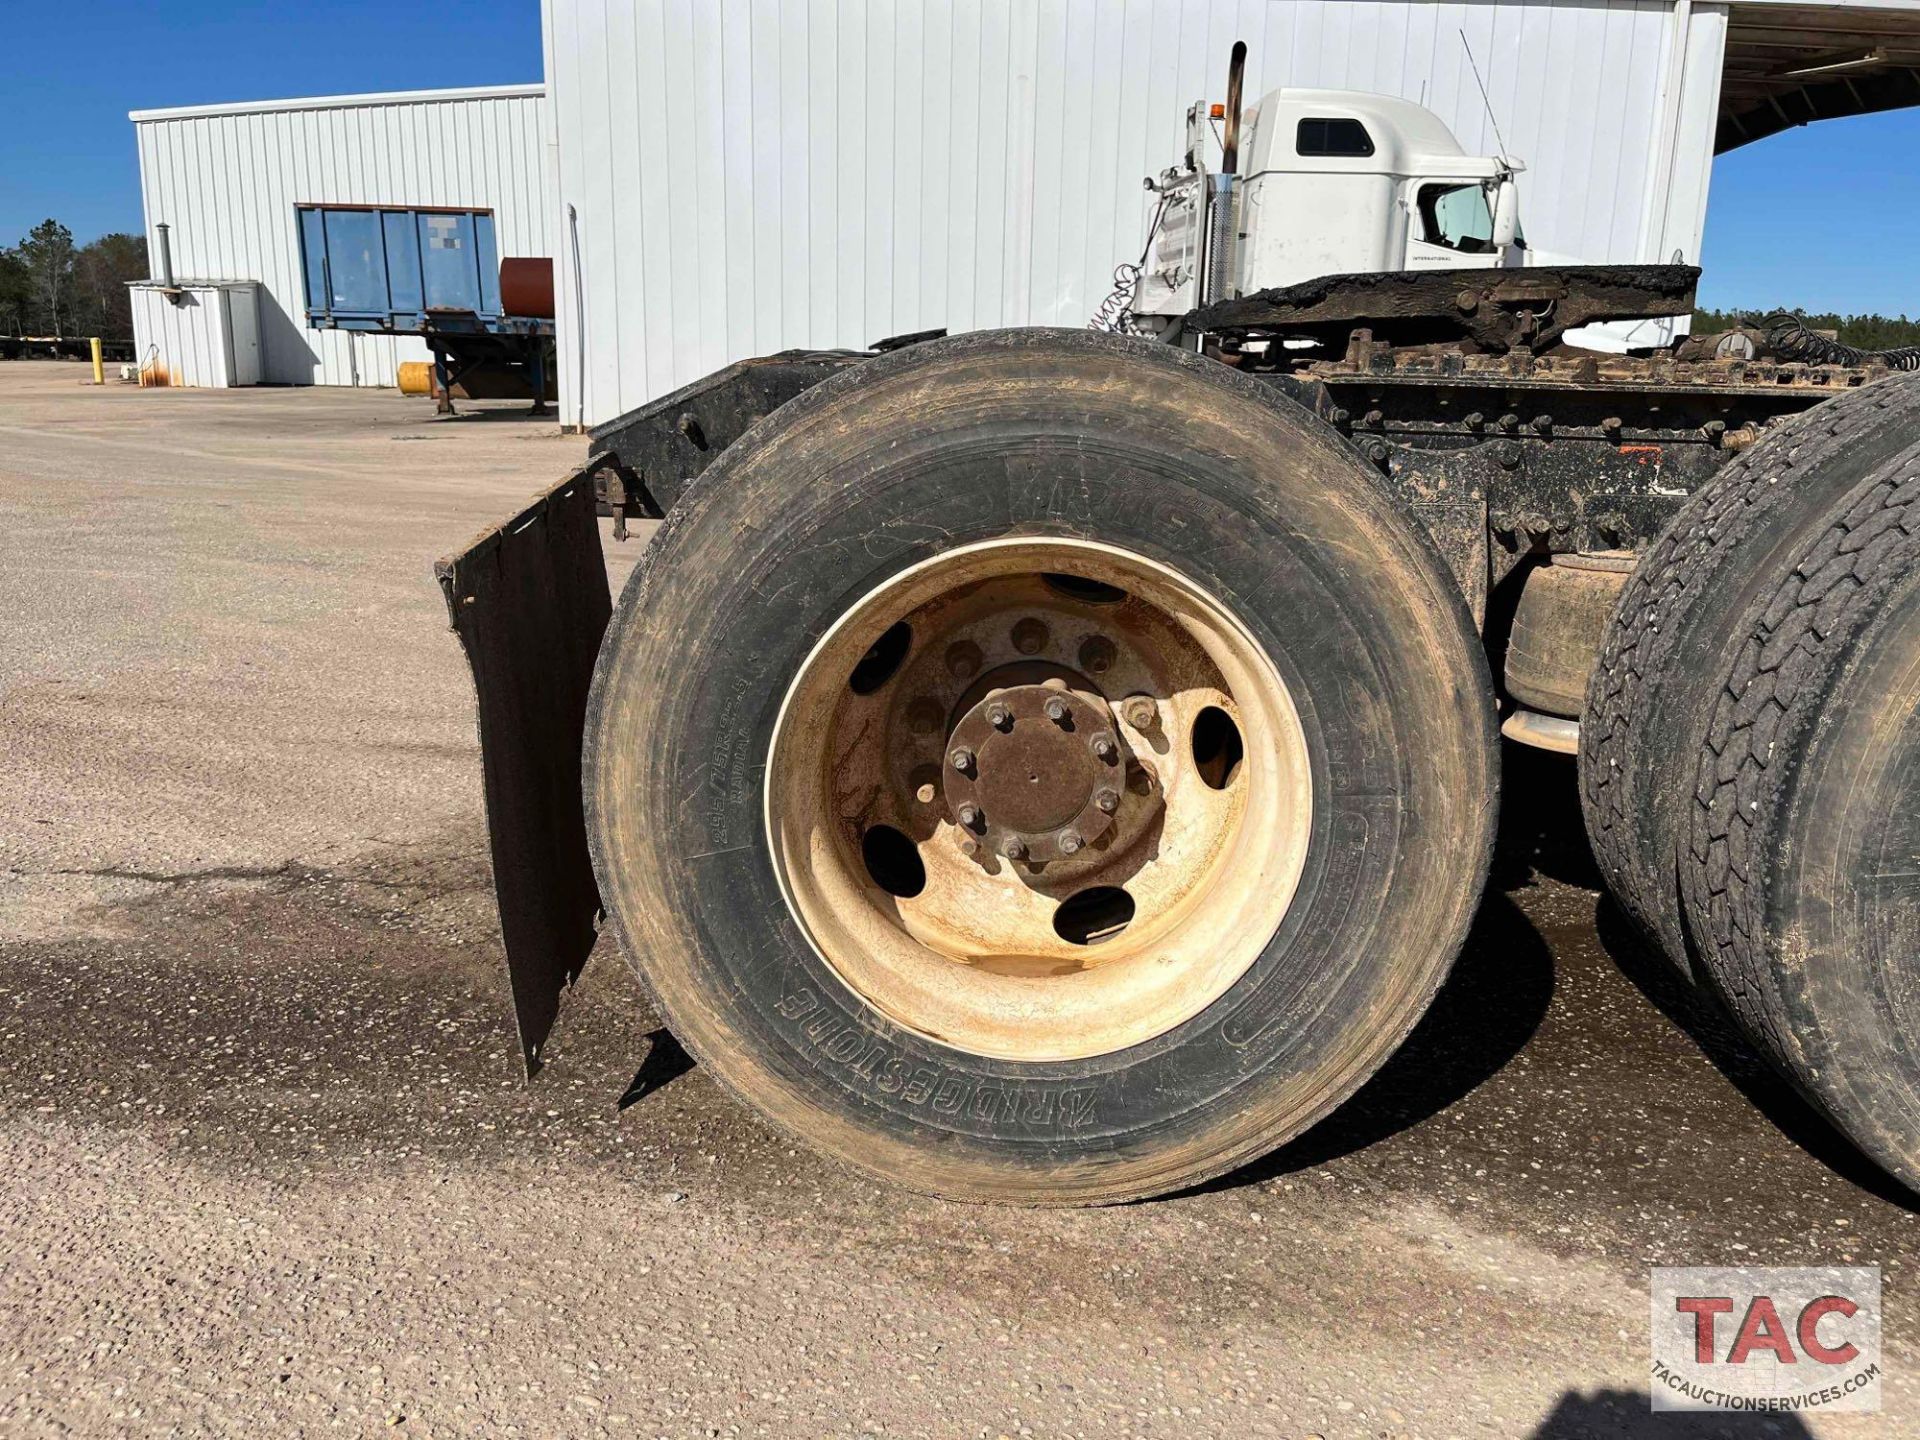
{"x":1863,"y":332}
{"x":50,"y":286}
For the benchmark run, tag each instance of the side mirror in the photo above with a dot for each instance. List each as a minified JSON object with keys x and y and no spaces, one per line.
{"x":1506,"y":222}
{"x":1506,"y":212}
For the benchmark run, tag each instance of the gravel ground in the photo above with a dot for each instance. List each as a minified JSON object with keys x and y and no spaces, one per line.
{"x":271,"y":1167}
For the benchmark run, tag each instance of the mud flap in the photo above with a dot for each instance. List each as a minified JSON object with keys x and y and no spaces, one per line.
{"x":529,"y":600}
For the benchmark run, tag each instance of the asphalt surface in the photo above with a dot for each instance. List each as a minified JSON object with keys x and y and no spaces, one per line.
{"x":270,"y":1166}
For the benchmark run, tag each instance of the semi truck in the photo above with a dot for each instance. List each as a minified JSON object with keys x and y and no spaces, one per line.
{"x":1057,"y":767}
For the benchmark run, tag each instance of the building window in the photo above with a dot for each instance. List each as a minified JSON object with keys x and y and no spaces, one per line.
{"x":1333,"y":137}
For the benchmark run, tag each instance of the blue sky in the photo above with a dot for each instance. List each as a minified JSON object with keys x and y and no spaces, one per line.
{"x":74,"y":68}
{"x":1827,"y":217}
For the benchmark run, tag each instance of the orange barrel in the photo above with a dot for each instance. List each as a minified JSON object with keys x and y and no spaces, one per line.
{"x":526,"y":286}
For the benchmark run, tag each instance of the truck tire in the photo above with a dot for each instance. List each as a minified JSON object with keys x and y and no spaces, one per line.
{"x":1801,"y":868}
{"x":879,"y":652}
{"x":1678,"y":617}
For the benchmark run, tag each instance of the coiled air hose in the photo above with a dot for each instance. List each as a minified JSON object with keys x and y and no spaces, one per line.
{"x":1789,"y":338}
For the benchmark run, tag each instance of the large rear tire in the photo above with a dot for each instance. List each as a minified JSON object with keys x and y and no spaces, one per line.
{"x":791,"y":772}
{"x":1801,"y":867}
{"x":1681,"y":614}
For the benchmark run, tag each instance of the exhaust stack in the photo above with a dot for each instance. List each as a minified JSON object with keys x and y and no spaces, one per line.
{"x":1222,"y":226}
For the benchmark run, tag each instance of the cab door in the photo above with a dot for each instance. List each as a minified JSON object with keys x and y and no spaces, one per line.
{"x":1452,"y":227}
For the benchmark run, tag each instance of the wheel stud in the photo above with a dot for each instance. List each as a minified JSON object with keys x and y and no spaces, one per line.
{"x":1030,"y":636}
{"x":1000,"y":717}
{"x":961,"y":758}
{"x":1104,"y":748}
{"x":1014,"y":849}
{"x":1108,"y":801}
{"x":1070,"y":842}
{"x":1057,"y":711}
{"x":970,"y":816}
{"x":963,"y":660}
{"x":1138,"y":711}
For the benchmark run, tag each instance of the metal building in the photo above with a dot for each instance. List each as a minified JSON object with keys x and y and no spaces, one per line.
{"x":225,"y":180}
{"x":748,"y":175}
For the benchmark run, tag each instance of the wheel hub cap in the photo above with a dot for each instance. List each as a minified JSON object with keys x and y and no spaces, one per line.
{"x":1034,"y":771}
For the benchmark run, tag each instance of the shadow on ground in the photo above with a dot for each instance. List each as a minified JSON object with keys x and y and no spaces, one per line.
{"x":665,"y":1063}
{"x":1503,"y":988}
{"x":1719,"y":1040}
{"x":1482,"y":1017}
{"x":1628,"y":1415}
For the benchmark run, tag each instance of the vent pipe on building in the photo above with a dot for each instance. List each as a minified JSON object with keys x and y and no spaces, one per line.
{"x":165,"y":277}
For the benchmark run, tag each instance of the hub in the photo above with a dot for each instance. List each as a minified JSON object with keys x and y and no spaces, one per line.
{"x":1034,"y":771}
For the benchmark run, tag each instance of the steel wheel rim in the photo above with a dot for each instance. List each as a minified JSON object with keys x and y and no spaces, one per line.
{"x":1000,"y":954}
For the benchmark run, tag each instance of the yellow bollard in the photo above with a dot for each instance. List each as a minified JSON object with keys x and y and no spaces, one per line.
{"x":99,"y":371}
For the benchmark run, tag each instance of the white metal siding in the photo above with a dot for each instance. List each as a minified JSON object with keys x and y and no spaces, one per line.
{"x":756,"y":174}
{"x":203,"y":337}
{"x":226,"y":180}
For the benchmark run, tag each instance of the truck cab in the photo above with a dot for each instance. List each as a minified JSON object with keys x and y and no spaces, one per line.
{"x":1329,"y":182}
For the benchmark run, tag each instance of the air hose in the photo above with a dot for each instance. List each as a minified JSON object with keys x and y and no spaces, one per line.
{"x":1789,"y":338}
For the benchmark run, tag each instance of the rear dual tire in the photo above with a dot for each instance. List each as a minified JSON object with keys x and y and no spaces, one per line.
{"x":1679,"y":617}
{"x":1800,"y":860}
{"x":1750,"y":759}
{"x":1031,"y":437}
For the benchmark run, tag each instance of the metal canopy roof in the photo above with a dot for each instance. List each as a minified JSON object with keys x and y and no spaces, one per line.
{"x":1788,"y":64}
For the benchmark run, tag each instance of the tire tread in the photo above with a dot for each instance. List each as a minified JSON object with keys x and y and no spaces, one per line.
{"x":1782,"y":678}
{"x":1641,"y":708}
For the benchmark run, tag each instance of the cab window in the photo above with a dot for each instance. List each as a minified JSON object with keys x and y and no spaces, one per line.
{"x":1457,"y":217}
{"x":1332,"y":138}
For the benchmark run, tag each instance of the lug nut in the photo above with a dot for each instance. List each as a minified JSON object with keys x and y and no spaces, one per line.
{"x":1000,"y":717}
{"x":1108,"y":801}
{"x":1030,"y":636}
{"x":961,"y":758}
{"x":963,"y":660}
{"x":1103,"y":747}
{"x":1138,"y":712}
{"x":1070,"y":842}
{"x":1096,"y":655}
{"x":1014,"y":849}
{"x":1057,"y":710}
{"x":970,"y":816}
{"x":969,"y":845}
{"x":923,"y":716}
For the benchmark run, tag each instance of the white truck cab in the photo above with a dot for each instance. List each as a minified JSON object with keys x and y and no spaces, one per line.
{"x":1329,"y":182}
